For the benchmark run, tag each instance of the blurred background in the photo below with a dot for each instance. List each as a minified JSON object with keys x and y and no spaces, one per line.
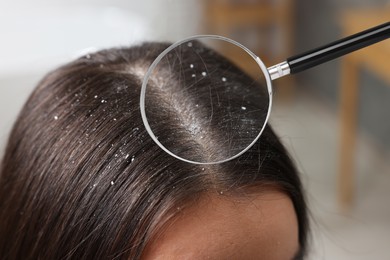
{"x":334,"y":118}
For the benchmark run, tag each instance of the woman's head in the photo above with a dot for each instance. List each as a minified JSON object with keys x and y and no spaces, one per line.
{"x":81,"y":178}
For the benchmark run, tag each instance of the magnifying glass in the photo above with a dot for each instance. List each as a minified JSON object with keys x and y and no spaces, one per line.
{"x":211,"y":102}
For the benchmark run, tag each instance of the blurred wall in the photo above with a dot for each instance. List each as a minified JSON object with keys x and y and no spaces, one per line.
{"x":318,"y":22}
{"x":41,"y":31}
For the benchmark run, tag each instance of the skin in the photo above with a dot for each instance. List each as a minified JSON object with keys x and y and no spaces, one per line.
{"x":262,"y":226}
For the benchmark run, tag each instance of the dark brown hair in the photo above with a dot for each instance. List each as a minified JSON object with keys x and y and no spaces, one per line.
{"x":82,"y":179}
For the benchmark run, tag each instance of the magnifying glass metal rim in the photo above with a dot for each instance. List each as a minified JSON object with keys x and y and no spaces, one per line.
{"x":166,"y":51}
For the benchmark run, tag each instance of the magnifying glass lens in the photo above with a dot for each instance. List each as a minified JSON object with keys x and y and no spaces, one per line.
{"x":202,"y":107}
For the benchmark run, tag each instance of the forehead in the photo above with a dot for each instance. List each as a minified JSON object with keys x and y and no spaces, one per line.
{"x":218,"y":227}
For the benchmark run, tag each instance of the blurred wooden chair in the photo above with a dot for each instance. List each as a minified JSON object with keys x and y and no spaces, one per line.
{"x":376,"y":59}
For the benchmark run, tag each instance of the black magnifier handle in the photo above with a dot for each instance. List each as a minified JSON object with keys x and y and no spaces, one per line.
{"x":331,"y":51}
